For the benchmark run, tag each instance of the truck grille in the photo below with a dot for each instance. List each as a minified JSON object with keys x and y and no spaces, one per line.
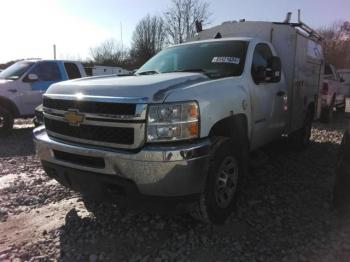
{"x":98,"y":123}
{"x":117,"y":135}
{"x":90,"y":106}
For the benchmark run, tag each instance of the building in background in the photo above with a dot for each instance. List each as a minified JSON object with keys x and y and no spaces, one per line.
{"x":106,"y":70}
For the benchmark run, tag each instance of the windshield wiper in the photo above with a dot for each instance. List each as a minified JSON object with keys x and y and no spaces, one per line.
{"x":200,"y":70}
{"x":194,"y":70}
{"x":150,"y":72}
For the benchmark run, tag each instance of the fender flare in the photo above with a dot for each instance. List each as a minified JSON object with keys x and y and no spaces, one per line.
{"x":10,"y":105}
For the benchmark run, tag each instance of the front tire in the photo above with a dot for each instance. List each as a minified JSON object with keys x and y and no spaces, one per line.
{"x":6,"y":121}
{"x":218,"y":200}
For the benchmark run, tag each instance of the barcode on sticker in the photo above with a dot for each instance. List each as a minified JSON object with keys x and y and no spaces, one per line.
{"x":226,"y":59}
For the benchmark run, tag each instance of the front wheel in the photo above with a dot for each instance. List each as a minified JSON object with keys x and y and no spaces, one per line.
{"x":6,"y":121}
{"x":219,"y":197}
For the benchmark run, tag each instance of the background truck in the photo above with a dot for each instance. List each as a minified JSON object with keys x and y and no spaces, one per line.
{"x":178,"y":133}
{"x":345,"y":78}
{"x":332,"y":93}
{"x":23,"y":84}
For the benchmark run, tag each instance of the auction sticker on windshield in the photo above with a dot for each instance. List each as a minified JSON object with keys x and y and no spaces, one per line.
{"x":226,"y":60}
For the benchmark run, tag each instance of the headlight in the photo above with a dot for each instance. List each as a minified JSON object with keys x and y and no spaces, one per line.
{"x":173,"y":121}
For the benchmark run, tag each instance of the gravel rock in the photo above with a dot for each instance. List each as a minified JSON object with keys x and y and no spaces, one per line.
{"x":284,"y":213}
{"x":92,"y":258}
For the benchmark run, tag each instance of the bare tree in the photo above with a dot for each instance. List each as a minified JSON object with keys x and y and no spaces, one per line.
{"x":181,"y":18}
{"x":108,"y":53}
{"x":336,"y":44}
{"x":148,"y":38}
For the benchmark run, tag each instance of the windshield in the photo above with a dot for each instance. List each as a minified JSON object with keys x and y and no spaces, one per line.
{"x":16,"y":70}
{"x":215,"y":59}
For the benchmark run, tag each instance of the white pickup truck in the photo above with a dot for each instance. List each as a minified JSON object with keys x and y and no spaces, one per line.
{"x":333,"y":93}
{"x":23,"y":84}
{"x":345,"y":79}
{"x":178,"y":133}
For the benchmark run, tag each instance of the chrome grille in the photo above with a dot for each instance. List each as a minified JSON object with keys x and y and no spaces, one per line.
{"x":107,"y":124}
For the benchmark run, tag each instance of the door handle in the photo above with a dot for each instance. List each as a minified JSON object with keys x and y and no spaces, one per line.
{"x":12,"y":90}
{"x":281,"y":93}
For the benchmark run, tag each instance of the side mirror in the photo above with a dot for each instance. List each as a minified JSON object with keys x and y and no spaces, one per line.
{"x":260,"y":74}
{"x":31,"y":78}
{"x":273,"y":71}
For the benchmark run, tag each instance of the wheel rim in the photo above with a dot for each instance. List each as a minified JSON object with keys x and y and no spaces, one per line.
{"x":226,"y":182}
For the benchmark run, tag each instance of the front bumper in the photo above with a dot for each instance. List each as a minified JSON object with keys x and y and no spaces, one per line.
{"x":327,"y":100}
{"x":155,"y":170}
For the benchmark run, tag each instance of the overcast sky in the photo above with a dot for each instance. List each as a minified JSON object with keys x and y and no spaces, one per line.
{"x":29,"y":28}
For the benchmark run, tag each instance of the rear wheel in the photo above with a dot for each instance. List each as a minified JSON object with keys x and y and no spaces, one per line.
{"x":6,"y":121}
{"x":341,"y":109}
{"x":301,"y":138}
{"x":219,"y":197}
{"x":327,"y":112}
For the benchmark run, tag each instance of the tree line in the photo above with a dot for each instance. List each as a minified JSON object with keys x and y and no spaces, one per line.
{"x":336,"y":44}
{"x":153,"y":33}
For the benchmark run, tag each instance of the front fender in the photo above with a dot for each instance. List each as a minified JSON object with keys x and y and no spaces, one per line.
{"x":217,"y":99}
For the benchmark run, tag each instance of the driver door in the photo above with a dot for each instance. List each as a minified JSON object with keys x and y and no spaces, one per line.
{"x":32,"y":91}
{"x":269,"y":98}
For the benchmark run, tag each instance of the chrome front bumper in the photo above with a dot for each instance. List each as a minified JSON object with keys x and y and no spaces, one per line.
{"x":156,"y":170}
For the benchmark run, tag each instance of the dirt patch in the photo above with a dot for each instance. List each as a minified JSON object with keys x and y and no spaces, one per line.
{"x":284,"y":213}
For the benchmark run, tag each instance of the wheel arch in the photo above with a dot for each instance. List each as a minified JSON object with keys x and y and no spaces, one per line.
{"x":235,"y":127}
{"x":10,"y":105}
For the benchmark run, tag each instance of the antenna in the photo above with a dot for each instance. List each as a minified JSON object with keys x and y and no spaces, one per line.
{"x":199,"y":26}
{"x":288,"y":18}
{"x":121,"y":37}
{"x":54,"y":52}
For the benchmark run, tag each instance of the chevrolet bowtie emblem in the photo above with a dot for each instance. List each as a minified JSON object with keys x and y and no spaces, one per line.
{"x":73,"y":117}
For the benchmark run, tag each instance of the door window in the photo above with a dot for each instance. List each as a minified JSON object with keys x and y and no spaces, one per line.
{"x":261,"y":58}
{"x":47,"y":72}
{"x":72,"y":70}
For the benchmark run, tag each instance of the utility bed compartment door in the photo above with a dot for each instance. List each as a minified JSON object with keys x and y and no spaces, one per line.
{"x":307,"y":78}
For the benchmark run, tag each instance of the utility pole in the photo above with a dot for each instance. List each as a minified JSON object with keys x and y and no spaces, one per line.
{"x":121,"y":38}
{"x":54,"y":52}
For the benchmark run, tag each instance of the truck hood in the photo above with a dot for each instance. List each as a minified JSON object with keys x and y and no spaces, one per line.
{"x":148,"y":88}
{"x":5,"y":84}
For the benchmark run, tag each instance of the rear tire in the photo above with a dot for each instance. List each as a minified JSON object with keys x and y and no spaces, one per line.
{"x":301,"y":138}
{"x":341,"y":109}
{"x":6,"y":121}
{"x":218,"y":200}
{"x":326,"y":114}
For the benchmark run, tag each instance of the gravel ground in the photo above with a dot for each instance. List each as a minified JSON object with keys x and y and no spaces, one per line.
{"x":284,"y":213}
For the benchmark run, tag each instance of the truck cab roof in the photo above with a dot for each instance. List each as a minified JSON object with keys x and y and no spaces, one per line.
{"x":49,"y":60}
